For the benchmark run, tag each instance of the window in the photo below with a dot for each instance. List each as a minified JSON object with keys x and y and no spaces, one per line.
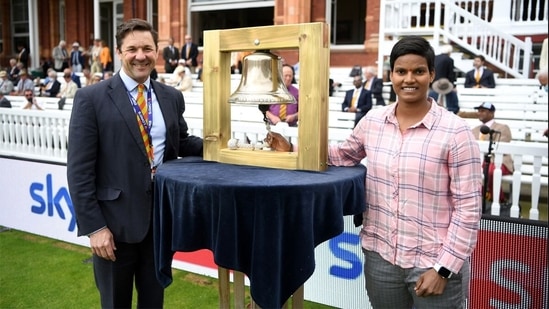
{"x":210,"y":15}
{"x":229,"y":19}
{"x":347,"y":22}
{"x":20,"y":24}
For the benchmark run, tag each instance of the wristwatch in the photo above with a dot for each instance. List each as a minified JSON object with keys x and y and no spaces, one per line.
{"x":443,"y":271}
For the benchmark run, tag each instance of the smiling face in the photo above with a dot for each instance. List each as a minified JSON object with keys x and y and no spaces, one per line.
{"x":138,"y":55}
{"x":411,"y":78}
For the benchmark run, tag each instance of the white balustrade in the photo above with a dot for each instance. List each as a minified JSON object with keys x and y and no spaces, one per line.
{"x":536,"y":153}
{"x":43,"y":135}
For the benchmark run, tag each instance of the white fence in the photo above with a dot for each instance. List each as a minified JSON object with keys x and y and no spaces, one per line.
{"x":43,"y":135}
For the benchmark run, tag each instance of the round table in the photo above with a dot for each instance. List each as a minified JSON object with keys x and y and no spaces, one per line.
{"x":263,"y":222}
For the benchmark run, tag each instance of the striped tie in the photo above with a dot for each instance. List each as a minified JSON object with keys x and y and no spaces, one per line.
{"x":144,"y":134}
{"x":282,"y":113}
{"x":353,"y":100}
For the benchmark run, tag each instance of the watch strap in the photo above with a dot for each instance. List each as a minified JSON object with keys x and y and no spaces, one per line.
{"x":443,"y":271}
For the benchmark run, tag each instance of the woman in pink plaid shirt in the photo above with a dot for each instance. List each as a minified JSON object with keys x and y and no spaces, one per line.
{"x":423,"y":189}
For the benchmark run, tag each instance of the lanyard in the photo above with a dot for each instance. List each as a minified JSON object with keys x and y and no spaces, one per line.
{"x":146,"y":125}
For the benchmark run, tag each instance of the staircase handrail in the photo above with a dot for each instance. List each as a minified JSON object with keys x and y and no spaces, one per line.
{"x":459,"y":26}
{"x":513,"y":57}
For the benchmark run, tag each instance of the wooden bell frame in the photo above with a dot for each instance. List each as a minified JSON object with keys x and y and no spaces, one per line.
{"x":312,"y":40}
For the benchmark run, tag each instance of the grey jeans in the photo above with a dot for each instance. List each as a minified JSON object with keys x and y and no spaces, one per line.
{"x":392,"y":287}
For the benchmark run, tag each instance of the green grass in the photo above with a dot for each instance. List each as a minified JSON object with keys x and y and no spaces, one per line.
{"x":39,"y":272}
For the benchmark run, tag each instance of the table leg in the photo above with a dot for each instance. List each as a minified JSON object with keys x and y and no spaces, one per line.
{"x":224,"y":288}
{"x":297,"y":298}
{"x":238,"y":286}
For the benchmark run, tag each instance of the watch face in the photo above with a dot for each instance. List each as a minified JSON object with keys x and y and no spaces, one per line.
{"x":444,"y":272}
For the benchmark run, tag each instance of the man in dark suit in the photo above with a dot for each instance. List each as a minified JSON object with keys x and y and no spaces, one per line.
{"x":111,"y":165}
{"x":374,"y":84}
{"x":479,"y":77}
{"x":189,"y":52}
{"x":444,"y":68}
{"x":170,"y":54}
{"x":358,"y":100}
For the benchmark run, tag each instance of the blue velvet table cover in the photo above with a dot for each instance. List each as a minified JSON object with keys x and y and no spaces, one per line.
{"x":263,"y":222}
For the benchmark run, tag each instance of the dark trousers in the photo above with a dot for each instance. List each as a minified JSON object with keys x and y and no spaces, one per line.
{"x":115,"y":280}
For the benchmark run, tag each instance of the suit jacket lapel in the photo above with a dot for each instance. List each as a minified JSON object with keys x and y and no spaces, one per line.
{"x":121,"y":100}
{"x":166,"y":104}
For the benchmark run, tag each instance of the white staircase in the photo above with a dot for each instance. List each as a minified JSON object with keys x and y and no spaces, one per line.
{"x":464,"y":24}
{"x":461,"y":62}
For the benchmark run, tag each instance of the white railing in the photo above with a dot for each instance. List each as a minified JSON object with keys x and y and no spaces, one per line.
{"x":43,"y":135}
{"x":536,"y":153}
{"x":463,"y":23}
{"x":33,"y":134}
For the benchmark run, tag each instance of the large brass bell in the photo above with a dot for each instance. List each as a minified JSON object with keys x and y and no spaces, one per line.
{"x":262,"y":82}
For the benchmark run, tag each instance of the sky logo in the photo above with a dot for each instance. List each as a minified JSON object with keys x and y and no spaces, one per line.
{"x":337,"y":246}
{"x":51,"y":203}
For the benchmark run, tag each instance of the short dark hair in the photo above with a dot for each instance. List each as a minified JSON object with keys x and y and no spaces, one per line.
{"x":413,"y":45}
{"x":481,"y":57}
{"x":134,"y":24}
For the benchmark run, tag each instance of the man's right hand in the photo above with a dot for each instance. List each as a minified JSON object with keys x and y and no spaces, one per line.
{"x":102,"y":244}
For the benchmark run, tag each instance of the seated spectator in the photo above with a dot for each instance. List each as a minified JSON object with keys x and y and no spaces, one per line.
{"x":25,"y":83}
{"x":174,"y":77}
{"x":358,"y":100}
{"x":479,"y":77}
{"x":51,"y":86}
{"x":288,"y":113}
{"x":68,"y":89}
{"x":31,"y":101}
{"x":486,"y":113}
{"x":183,"y":81}
{"x":47,"y":77}
{"x":6,"y":85}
